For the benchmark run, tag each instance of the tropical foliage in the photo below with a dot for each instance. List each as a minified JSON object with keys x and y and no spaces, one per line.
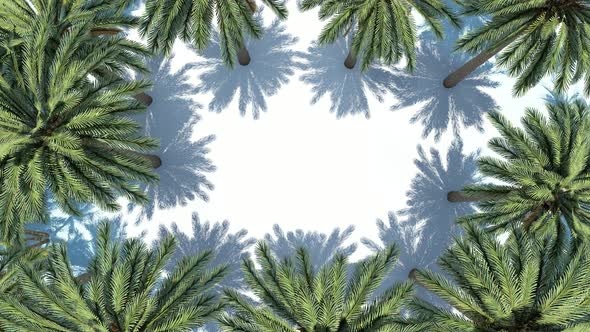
{"x":122,"y":291}
{"x":295,"y":297}
{"x":535,"y":39}
{"x":382,"y":30}
{"x":13,"y":257}
{"x":64,"y":130}
{"x":541,"y":174}
{"x":105,"y":18}
{"x":524,"y":284}
{"x":192,"y":22}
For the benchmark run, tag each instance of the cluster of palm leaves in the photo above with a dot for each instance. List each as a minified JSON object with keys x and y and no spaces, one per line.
{"x":68,"y":89}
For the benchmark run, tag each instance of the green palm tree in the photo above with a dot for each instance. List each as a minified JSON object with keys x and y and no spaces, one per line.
{"x":192,"y":22}
{"x":64,"y":131}
{"x":124,"y":291}
{"x":522,"y":285}
{"x":541,"y":174}
{"x":381,"y":29}
{"x":101,"y":17}
{"x":536,"y":38}
{"x":11,"y":257}
{"x":295,"y":298}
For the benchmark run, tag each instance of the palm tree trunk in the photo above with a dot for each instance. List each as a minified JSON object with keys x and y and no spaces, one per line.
{"x":461,"y":196}
{"x":252,"y":5}
{"x":105,"y":32}
{"x":532,"y":216}
{"x":244,"y":56}
{"x":39,"y":238}
{"x":350,"y":61}
{"x":144,"y":98}
{"x":153,"y":159}
{"x":460,"y":74}
{"x":83,"y":278}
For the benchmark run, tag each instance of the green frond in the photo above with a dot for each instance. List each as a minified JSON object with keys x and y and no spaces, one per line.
{"x":539,"y":177}
{"x":381,"y":30}
{"x":540,"y":38}
{"x":64,"y":107}
{"x":296,"y":297}
{"x":124,"y":290}
{"x":520,"y":284}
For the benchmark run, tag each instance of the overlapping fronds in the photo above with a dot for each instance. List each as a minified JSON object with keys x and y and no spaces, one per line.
{"x":382,"y":30}
{"x":122,"y":291}
{"x":11,"y":258}
{"x":546,"y":38}
{"x":295,"y":297}
{"x":523,"y":284}
{"x":192,"y":21}
{"x":541,"y":176}
{"x":100,"y":18}
{"x":64,"y":130}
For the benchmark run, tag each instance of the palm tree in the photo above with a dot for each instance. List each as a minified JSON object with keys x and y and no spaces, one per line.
{"x":124,"y":291}
{"x":541,"y":175}
{"x":296,"y":298}
{"x":382,"y":29}
{"x":63,"y":130}
{"x":536,"y":38}
{"x":11,"y":257}
{"x":524,"y":284}
{"x":192,"y":22}
{"x":102,"y":17}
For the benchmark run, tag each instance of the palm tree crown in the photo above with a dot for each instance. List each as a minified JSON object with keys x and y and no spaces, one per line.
{"x":295,"y":298}
{"x":536,"y":38}
{"x":525,"y":284}
{"x":382,"y":30}
{"x":541,"y":176}
{"x":192,"y":22}
{"x":101,"y":17}
{"x":63,"y":127}
{"x":122,"y":291}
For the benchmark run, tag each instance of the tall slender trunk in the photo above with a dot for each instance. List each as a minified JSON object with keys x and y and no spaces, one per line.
{"x":532,"y":216}
{"x":461,"y":196}
{"x":144,"y":98}
{"x":104,"y":32}
{"x":153,"y":159}
{"x":83,"y":278}
{"x":460,"y":74}
{"x":244,"y":56}
{"x":252,"y":5}
{"x":350,"y":61}
{"x":38,"y":238}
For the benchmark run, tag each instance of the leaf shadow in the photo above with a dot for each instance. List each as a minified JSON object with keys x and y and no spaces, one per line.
{"x":229,"y":249}
{"x":440,"y":108}
{"x":273,"y":62}
{"x":346,"y":88}
{"x":172,"y":118}
{"x":427,"y":226}
{"x":322,"y":247}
